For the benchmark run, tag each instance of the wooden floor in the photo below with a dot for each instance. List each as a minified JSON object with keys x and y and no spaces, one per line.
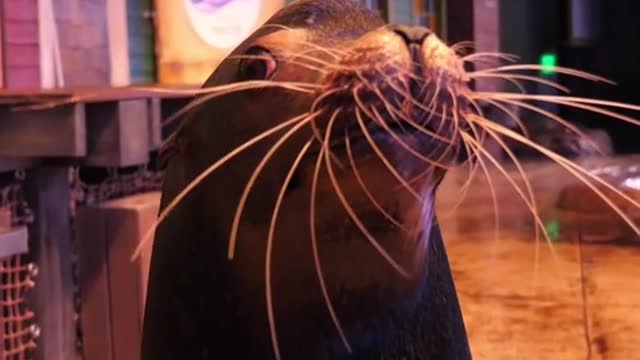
{"x":522,"y":299}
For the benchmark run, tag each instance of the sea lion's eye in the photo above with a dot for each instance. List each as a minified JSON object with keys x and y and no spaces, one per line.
{"x":258,"y":64}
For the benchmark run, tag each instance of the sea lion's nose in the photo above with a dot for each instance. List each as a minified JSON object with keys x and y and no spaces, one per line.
{"x":412,"y":35}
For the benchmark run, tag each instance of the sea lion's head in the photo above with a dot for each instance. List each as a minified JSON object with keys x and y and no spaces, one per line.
{"x":332,"y":210}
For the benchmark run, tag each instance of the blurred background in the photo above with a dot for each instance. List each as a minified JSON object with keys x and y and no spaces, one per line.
{"x":79,"y":184}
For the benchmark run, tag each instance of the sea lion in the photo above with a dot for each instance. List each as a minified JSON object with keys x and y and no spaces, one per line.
{"x":298,"y":217}
{"x":201,"y":305}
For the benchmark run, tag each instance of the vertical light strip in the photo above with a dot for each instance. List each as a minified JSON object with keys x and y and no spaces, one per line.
{"x":47,"y":72}
{"x":51,"y":71}
{"x":117,"y":34}
{"x":581,"y":21}
{"x":57,"y":57}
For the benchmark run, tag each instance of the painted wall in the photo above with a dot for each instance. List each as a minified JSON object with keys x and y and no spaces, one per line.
{"x":21,"y":49}
{"x":82,"y":29}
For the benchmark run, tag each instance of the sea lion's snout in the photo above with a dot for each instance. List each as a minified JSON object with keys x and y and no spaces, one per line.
{"x":401,"y":87}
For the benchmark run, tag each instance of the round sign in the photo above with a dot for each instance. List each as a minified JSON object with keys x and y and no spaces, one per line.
{"x":223,"y":23}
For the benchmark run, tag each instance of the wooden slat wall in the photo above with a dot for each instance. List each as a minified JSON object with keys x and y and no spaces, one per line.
{"x":1,"y":46}
{"x":21,"y":45}
{"x":84,"y":48}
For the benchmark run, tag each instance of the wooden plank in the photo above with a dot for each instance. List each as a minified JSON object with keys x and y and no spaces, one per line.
{"x":95,"y":314}
{"x":13,"y":241}
{"x":48,"y":194}
{"x":117,"y":133}
{"x":613,"y":299}
{"x":94,"y":94}
{"x":113,"y":306}
{"x":56,"y":132}
{"x":21,"y":69}
{"x":130,"y":218}
{"x":12,"y":163}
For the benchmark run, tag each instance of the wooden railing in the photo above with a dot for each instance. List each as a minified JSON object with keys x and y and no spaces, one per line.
{"x":42,"y":135}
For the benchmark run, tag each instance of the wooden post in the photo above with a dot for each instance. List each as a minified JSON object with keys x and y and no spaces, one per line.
{"x":459,"y":21}
{"x":487,"y":38}
{"x":48,"y":193}
{"x":117,"y":133}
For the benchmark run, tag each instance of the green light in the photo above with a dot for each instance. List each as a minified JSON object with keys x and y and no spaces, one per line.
{"x":548,"y":62}
{"x":553,"y":230}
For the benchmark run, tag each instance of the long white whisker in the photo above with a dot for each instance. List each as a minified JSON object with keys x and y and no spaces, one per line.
{"x":269,"y":250}
{"x":169,"y":208}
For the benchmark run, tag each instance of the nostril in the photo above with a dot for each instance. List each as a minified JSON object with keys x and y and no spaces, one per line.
{"x":411,"y":34}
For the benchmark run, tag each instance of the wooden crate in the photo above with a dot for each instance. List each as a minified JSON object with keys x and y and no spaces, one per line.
{"x":112,"y":287}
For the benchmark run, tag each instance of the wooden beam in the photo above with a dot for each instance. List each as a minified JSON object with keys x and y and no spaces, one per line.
{"x":8,"y":164}
{"x":55,"y":132}
{"x":117,"y":133}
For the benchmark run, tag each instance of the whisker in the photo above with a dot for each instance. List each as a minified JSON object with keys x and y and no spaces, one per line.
{"x":269,"y":250}
{"x":203,"y":175}
{"x":88,"y":97}
{"x":329,"y":50}
{"x":512,"y":115}
{"x":364,"y":187}
{"x":491,"y":55}
{"x":316,"y":255}
{"x":534,"y":79}
{"x":576,"y":170}
{"x":233,"y":237}
{"x":383,"y":158}
{"x":557,"y":69}
{"x":352,"y":214}
{"x":566,"y":100}
{"x":393,"y":111}
{"x":283,"y":59}
{"x":401,"y":142}
{"x":528,"y":203}
{"x":409,"y":97}
{"x":525,"y":179}
{"x":221,"y":90}
{"x":558,"y":119}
